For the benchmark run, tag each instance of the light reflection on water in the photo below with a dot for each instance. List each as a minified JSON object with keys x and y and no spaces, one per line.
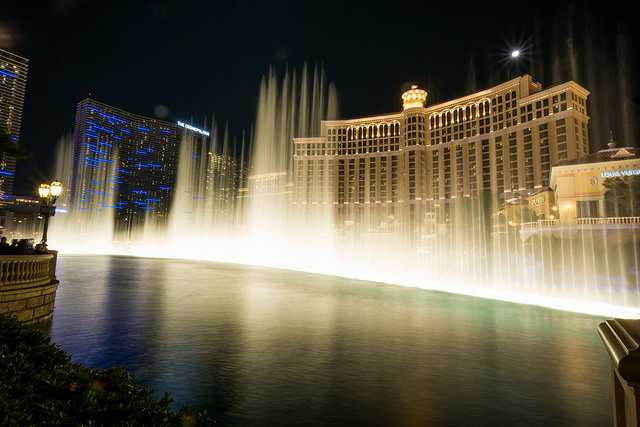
{"x":266,"y":347}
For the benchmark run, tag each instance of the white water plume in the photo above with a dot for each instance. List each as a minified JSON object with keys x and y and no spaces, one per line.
{"x":458,"y":249}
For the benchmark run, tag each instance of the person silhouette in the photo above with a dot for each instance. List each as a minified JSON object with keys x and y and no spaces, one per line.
{"x":4,"y":246}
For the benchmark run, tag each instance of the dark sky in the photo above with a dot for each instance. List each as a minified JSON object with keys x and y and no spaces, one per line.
{"x":199,"y":58}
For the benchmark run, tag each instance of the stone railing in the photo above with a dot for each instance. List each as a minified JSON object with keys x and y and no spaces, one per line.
{"x":20,"y":269}
{"x":28,"y":286}
{"x":621,"y":338}
{"x":610,"y":220}
{"x":582,"y":221}
{"x":539,"y":224}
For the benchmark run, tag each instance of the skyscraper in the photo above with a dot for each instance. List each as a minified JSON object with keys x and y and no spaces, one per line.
{"x":13,"y":83}
{"x":125,"y":162}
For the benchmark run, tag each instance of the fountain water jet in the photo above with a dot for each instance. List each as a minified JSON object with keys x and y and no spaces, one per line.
{"x":455,"y":249}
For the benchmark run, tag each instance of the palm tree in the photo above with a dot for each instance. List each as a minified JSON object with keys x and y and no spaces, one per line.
{"x":634,"y":195}
{"x":617,"y":197}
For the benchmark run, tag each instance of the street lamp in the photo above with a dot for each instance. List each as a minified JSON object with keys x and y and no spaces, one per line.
{"x":48,"y":195}
{"x":56,"y":188}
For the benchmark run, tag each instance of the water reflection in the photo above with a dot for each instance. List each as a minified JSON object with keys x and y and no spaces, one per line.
{"x":259,"y":346}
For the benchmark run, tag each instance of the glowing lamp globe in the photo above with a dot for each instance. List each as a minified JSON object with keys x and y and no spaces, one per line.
{"x":515,"y":53}
{"x":44,"y":190}
{"x":56,"y":188}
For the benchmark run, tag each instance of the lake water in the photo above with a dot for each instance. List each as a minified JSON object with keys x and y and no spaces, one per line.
{"x":257,"y":346}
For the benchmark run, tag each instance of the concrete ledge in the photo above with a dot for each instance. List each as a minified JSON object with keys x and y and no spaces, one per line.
{"x":28,"y":286}
{"x":30,"y":306}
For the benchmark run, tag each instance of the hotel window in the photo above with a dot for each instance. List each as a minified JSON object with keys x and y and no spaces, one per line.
{"x":412,"y":175}
{"x":351,"y":179}
{"x":383,"y":178}
{"x":329,"y":194}
{"x":309,"y":179}
{"x":486,"y":165}
{"x":545,"y":161}
{"x":473,"y":183}
{"x":361,"y":174}
{"x":447,"y":172}
{"x":423,"y":174}
{"x":435,"y":183}
{"x":499,"y":166}
{"x":561,"y":139}
{"x":528,"y":158}
{"x":459,"y":171}
{"x":545,"y":107}
{"x":341,"y":180}
{"x":513,"y":161}
{"x":394,"y":178}
{"x":372,"y":180}
{"x":587,"y":209}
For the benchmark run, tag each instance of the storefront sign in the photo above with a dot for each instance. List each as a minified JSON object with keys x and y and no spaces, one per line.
{"x":616,"y":174}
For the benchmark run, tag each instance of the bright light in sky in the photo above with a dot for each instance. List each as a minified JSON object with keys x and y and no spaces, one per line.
{"x":515,"y":53}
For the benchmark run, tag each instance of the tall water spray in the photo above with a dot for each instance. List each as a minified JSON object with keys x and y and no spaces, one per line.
{"x":86,"y":221}
{"x":269,"y":216}
{"x":206,"y":204}
{"x":289,"y":107}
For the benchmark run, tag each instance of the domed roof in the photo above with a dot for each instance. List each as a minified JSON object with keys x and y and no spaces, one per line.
{"x":414,"y":98}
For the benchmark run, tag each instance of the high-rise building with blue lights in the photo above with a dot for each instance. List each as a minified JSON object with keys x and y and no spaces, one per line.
{"x":13,"y":83}
{"x":125,"y":162}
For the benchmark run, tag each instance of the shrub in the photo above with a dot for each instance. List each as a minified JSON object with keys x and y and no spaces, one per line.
{"x":39,"y":384}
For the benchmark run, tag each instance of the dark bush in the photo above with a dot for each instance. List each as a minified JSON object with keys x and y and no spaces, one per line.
{"x":40,"y":385}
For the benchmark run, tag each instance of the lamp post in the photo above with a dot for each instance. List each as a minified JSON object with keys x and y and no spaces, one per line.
{"x":48,"y":195}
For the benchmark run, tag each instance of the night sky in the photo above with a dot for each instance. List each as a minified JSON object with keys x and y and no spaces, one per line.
{"x":200,"y":58}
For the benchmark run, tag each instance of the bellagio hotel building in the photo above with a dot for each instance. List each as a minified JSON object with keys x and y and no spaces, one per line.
{"x":504,"y":139}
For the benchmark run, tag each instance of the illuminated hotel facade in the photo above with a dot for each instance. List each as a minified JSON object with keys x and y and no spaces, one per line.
{"x":125,"y":162}
{"x":503,"y":140}
{"x":581,"y":187}
{"x":13,"y":83}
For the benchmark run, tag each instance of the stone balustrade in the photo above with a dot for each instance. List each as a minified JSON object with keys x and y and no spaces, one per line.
{"x":540,"y":223}
{"x":582,"y":221}
{"x":609,"y":220}
{"x":28,"y":286}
